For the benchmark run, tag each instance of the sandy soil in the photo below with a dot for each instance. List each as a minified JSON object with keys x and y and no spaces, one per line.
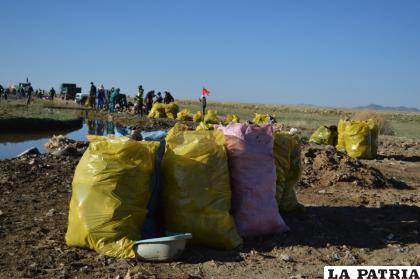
{"x":358,"y":212}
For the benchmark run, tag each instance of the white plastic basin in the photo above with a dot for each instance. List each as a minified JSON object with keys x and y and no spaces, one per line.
{"x":161,"y":248}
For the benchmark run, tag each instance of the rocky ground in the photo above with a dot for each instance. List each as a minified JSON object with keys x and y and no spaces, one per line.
{"x":358,"y":212}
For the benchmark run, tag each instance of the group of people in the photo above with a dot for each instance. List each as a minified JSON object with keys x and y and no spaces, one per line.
{"x":25,"y":91}
{"x":112,"y":99}
{"x":144,"y":103}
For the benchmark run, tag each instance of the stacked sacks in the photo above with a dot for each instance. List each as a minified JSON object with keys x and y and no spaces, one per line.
{"x":287,"y":160}
{"x":232,"y":118}
{"x":211,"y":117}
{"x":183,"y":115}
{"x":359,"y":138}
{"x":171,"y":110}
{"x":261,"y":119}
{"x":196,"y":194}
{"x":253,"y":179}
{"x":110,"y":193}
{"x":160,"y":110}
{"x":325,"y":135}
{"x":198,"y":117}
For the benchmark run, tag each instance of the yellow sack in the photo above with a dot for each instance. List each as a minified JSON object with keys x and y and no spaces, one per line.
{"x":341,"y":128}
{"x":325,"y":135}
{"x":110,"y":193}
{"x":197,"y":195}
{"x":211,"y":117}
{"x":287,"y":159}
{"x":204,"y":126}
{"x":357,"y":138}
{"x":183,"y":115}
{"x":232,"y":118}
{"x":198,"y":117}
{"x":157,"y":111}
{"x":261,"y":118}
{"x":171,"y":110}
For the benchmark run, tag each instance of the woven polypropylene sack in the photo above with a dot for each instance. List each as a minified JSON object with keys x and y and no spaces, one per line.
{"x":110,"y":193}
{"x":357,"y":137}
{"x":197,"y":195}
{"x":287,"y":159}
{"x":253,"y":179}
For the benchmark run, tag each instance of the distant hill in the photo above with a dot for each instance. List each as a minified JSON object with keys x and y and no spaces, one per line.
{"x":379,"y":107}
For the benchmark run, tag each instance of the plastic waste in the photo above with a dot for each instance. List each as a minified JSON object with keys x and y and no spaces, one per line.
{"x":183,"y":115}
{"x":198,"y":117}
{"x":211,"y":117}
{"x":110,"y":193}
{"x":196,"y":191}
{"x":261,"y":119}
{"x":325,"y":135}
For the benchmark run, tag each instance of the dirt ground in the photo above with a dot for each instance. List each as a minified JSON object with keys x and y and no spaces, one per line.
{"x":358,"y":212}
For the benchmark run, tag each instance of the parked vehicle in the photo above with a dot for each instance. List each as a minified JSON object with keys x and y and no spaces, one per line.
{"x":68,"y":91}
{"x":81,"y":98}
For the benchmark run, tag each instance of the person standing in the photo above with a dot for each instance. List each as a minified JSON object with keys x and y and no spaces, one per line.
{"x":92,"y":95}
{"x":159,"y":98}
{"x":139,"y":100}
{"x":149,"y":100}
{"x":52,"y":94}
{"x":28,"y":91}
{"x":101,"y":97}
{"x":168,"y":98}
{"x":1,"y":91}
{"x":203,"y":100}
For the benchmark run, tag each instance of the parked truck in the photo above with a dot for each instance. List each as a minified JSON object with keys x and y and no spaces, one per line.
{"x":68,"y":91}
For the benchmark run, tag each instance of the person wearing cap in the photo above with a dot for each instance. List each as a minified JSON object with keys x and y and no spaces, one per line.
{"x":92,"y":95}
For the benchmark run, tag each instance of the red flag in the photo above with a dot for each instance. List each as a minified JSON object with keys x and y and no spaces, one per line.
{"x":205,"y":92}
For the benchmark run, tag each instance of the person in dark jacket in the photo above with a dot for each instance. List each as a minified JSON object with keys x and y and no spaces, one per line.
{"x":28,"y":91}
{"x":168,"y":98}
{"x":159,"y":98}
{"x":203,"y":101}
{"x":1,"y":92}
{"x":149,"y":100}
{"x":92,"y":95}
{"x":52,"y":94}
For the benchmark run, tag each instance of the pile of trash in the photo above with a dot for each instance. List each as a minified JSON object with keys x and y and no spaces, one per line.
{"x":359,"y":139}
{"x":63,"y":146}
{"x":324,"y":165}
{"x":220,"y":185}
{"x":160,"y":110}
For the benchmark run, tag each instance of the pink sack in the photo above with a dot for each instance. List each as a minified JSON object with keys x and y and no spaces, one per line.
{"x":253,"y":179}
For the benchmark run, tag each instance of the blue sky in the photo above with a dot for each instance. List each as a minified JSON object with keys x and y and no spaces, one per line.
{"x":332,"y":53}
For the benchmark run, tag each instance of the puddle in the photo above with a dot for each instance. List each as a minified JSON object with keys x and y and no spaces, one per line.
{"x":13,"y":144}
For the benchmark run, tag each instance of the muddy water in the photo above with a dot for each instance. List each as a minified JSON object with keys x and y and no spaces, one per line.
{"x":13,"y":144}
